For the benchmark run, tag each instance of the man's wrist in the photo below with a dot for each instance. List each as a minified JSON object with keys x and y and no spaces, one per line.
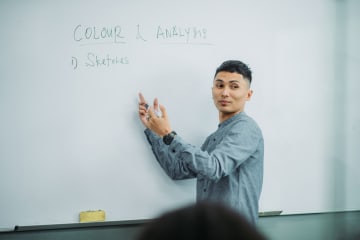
{"x":165,"y":132}
{"x":168,"y":138}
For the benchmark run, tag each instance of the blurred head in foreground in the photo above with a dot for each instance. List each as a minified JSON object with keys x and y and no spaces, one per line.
{"x":205,"y":221}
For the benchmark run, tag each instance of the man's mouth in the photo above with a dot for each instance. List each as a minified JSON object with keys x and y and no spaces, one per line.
{"x":224,"y":102}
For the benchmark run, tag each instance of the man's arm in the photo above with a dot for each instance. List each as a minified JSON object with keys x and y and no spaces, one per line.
{"x":156,"y":127}
{"x":236,"y":148}
{"x":166,"y":156}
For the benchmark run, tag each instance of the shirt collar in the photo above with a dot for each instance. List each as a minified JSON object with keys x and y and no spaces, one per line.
{"x":232,"y":119}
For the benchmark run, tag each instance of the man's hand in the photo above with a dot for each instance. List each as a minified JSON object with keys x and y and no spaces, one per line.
{"x":143,"y":108}
{"x":151,"y":119}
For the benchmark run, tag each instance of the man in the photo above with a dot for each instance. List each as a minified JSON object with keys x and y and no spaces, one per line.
{"x":229,"y":164}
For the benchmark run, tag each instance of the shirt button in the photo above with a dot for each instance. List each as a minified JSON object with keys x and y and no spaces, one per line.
{"x":204,"y":189}
{"x":214,"y":139}
{"x":173,"y":151}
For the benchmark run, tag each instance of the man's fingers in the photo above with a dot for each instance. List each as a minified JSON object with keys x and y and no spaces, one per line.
{"x":156,"y":104}
{"x":142,"y":99}
{"x":163,"y":111}
{"x":151,"y":112}
{"x":155,"y":111}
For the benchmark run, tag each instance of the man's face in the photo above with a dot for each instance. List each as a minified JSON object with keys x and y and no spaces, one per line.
{"x":230,"y":92}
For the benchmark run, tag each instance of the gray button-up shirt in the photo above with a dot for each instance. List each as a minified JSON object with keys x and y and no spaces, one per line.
{"x":228,"y":166}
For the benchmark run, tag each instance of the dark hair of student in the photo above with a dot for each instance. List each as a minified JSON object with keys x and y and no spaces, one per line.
{"x":235,"y":66}
{"x":205,"y":221}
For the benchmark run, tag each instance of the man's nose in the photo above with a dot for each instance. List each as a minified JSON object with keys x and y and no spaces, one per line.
{"x":225,"y":92}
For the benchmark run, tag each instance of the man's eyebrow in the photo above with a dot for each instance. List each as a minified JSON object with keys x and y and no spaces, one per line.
{"x":231,"y":81}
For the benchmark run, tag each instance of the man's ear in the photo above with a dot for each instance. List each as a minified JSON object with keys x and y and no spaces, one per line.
{"x":249,"y":94}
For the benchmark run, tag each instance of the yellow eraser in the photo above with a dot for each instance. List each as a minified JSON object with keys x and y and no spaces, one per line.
{"x":92,"y":216}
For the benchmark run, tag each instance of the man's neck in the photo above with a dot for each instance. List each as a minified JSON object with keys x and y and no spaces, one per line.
{"x":225,"y":116}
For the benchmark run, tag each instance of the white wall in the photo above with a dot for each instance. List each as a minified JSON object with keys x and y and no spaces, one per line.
{"x":352,"y":116}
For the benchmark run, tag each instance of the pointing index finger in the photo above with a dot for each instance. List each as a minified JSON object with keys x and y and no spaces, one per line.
{"x":142,"y":99}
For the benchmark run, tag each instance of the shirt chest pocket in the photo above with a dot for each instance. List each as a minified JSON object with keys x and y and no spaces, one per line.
{"x":213,"y":142}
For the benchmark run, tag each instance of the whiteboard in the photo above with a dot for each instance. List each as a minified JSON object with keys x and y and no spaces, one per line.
{"x":70,"y":73}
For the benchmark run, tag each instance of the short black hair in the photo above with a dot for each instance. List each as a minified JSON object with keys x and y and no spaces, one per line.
{"x":235,"y":66}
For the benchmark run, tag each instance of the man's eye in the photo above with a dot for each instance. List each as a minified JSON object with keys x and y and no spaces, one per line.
{"x":234,"y":86}
{"x":219,"y":85}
